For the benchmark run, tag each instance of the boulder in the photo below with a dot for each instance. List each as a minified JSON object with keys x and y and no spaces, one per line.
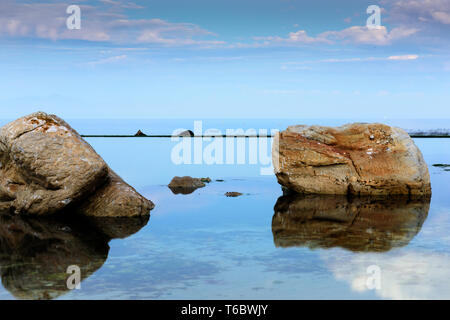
{"x":359,"y":159}
{"x":46,"y":166}
{"x":115,"y":198}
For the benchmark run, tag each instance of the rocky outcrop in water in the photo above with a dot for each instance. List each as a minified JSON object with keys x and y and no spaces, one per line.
{"x":374,"y":224}
{"x":187,"y":185}
{"x":46,"y":166}
{"x":359,"y":159}
{"x":233,"y":194}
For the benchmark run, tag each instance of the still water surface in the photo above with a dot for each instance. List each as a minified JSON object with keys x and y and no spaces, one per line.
{"x":258,"y":246}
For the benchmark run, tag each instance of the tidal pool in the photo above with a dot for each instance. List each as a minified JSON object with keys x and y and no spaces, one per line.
{"x":260,"y":245}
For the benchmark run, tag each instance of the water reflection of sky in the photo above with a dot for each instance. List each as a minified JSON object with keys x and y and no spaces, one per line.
{"x":207,"y":246}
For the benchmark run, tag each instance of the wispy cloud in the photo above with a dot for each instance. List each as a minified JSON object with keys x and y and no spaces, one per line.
{"x":412,"y":12}
{"x":442,"y":17}
{"x":48,"y":21}
{"x":302,"y":65}
{"x":404,"y":57}
{"x":405,"y":274}
{"x":110,"y":21}
{"x":298,"y":37}
{"x":364,"y":35}
{"x":354,"y":34}
{"x":122,"y":4}
{"x":107,"y":60}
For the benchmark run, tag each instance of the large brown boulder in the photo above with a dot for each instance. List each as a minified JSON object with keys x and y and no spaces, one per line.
{"x":46,"y":166}
{"x":361,"y":159}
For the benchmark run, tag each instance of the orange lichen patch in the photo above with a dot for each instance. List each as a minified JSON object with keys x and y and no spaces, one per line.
{"x":293,"y":139}
{"x":54,"y":129}
{"x":376,"y":164}
{"x":48,"y":124}
{"x":12,"y":187}
{"x":362,"y":137}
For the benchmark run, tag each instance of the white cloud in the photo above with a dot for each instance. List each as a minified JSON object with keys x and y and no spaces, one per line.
{"x":364,"y":35}
{"x":48,"y":21}
{"x":354,"y":34}
{"x":426,"y":11}
{"x":122,"y":4}
{"x":293,"y":38}
{"x":404,"y":57}
{"x":107,"y":60}
{"x":407,"y":275}
{"x":299,"y":65}
{"x":442,"y":17}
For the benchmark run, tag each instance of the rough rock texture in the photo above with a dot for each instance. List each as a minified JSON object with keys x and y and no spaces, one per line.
{"x":185,"y":185}
{"x":45,"y":166}
{"x":364,"y":159}
{"x":356,"y":224}
{"x":115,"y":199}
{"x":36,"y":251}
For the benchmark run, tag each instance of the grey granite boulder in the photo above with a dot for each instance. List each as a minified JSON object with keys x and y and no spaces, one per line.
{"x":46,"y":166}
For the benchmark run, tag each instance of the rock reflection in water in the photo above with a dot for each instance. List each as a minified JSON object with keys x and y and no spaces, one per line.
{"x":182,"y":190}
{"x":358,"y":224}
{"x":35,"y":252}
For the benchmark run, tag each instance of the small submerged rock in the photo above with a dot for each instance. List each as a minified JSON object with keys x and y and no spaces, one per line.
{"x":186,"y":184}
{"x":46,"y":166}
{"x":445,"y":167}
{"x":233,"y":194}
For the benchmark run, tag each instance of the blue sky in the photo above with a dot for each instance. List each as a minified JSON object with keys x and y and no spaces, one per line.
{"x":226,"y":59}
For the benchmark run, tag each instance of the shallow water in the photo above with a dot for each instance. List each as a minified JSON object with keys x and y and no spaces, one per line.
{"x":207,"y":246}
